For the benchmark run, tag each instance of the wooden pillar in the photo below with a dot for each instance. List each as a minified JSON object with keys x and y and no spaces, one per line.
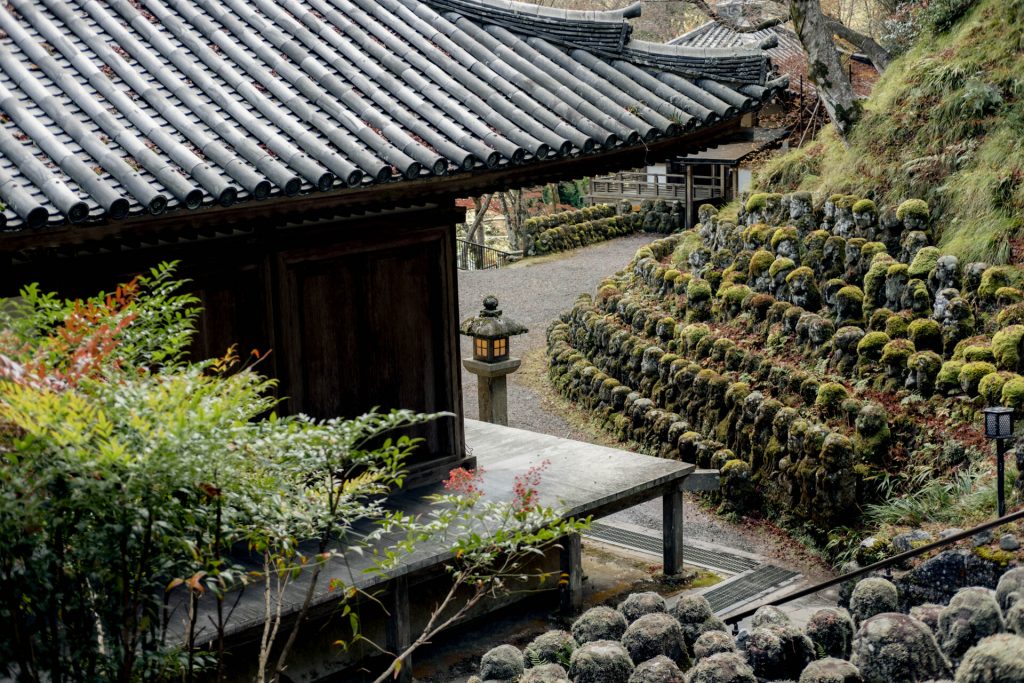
{"x":398,"y":631}
{"x":735,"y":182}
{"x":572,"y":574}
{"x":672,"y":530}
{"x":689,"y":196}
{"x":721,"y":169}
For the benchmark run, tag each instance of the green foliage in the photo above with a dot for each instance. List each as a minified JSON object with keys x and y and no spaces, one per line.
{"x":967,"y":496}
{"x":943,"y":124}
{"x":130,"y":473}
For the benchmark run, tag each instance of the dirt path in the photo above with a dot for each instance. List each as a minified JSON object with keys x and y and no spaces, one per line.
{"x":535,"y":292}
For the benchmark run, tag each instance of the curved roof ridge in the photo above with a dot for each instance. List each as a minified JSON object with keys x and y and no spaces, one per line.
{"x":513,"y":7}
{"x":607,"y":31}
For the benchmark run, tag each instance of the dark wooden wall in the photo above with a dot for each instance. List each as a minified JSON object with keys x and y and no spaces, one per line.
{"x":357,"y":312}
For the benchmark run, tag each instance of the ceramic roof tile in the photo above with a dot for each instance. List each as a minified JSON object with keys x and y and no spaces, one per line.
{"x":129,"y":107}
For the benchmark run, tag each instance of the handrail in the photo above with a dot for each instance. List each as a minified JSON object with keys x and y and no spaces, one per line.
{"x":473,"y":256}
{"x":882,"y":564}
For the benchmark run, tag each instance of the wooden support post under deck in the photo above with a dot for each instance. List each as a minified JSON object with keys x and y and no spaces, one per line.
{"x":572,"y":573}
{"x":398,"y":630}
{"x":735,"y":182}
{"x":672,"y":530}
{"x":689,"y":196}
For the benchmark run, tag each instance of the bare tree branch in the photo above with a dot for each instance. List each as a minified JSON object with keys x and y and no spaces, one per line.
{"x":878,"y":55}
{"x":823,"y":67}
{"x":740,"y":24}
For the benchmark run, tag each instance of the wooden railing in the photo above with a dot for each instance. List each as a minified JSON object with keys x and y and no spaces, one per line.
{"x":641,"y":185}
{"x":473,"y":256}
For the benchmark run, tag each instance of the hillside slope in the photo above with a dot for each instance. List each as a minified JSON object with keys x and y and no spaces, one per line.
{"x":945,"y":123}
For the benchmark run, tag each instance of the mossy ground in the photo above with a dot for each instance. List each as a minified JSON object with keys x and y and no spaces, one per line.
{"x":945,"y":123}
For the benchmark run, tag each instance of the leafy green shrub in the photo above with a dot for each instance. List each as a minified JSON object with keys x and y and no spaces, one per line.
{"x":130,"y":473}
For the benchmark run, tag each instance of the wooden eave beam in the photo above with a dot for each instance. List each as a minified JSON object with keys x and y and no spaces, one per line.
{"x":404,"y":194}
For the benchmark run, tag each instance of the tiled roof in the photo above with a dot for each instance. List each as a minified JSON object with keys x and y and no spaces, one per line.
{"x":787,"y":56}
{"x":116,"y":108}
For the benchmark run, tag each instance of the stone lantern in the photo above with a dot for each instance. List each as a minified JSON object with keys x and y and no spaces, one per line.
{"x":491,"y":361}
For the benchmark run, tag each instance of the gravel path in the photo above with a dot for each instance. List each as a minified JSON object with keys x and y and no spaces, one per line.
{"x":535,"y":292}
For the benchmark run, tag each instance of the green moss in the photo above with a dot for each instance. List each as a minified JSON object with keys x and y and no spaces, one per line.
{"x":689,"y":241}
{"x":974,"y":353}
{"x":852,"y":294}
{"x":707,"y":209}
{"x":802,"y":271}
{"x":831,"y":395}
{"x":844,"y":201}
{"x":897,"y":269}
{"x":1007,"y":296}
{"x":698,"y":290}
{"x":896,"y":326}
{"x":734,"y":295}
{"x":786,"y":233}
{"x":692,"y":334}
{"x":670,"y":275}
{"x":923,"y":263}
{"x":927,"y":362}
{"x":995,"y":278}
{"x":1006,"y":347}
{"x":642,"y":253}
{"x":1013,"y":393}
{"x":879,"y":319}
{"x":871,"y":345}
{"x":757,"y":202}
{"x":897,"y":352}
{"x":925,"y":333}
{"x":1012,"y":314}
{"x":915,"y":208}
{"x":1001,"y":557}
{"x":972,"y":373}
{"x":758,"y":233}
{"x":865,"y":206}
{"x":780,"y":264}
{"x":949,"y":376}
{"x":990,"y":387}
{"x":760,"y":263}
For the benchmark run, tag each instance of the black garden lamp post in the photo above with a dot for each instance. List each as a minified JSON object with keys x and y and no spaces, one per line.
{"x":491,"y":362}
{"x":999,"y":426}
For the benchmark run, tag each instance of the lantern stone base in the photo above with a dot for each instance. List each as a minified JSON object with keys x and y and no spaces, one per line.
{"x":492,"y":387}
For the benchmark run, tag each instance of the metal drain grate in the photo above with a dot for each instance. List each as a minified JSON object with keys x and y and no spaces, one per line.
{"x":748,"y":586}
{"x":711,"y":559}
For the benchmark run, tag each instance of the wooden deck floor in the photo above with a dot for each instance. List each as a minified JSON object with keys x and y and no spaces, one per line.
{"x":581,"y":478}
